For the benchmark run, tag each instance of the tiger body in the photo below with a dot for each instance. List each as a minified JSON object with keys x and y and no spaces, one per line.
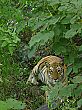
{"x":49,"y":70}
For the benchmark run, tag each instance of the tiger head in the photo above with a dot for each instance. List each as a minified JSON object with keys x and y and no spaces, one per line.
{"x":55,"y":71}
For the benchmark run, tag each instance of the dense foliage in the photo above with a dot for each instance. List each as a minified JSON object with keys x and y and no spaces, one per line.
{"x":54,"y":26}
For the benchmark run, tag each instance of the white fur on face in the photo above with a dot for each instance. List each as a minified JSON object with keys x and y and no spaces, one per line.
{"x":51,"y":68}
{"x":59,"y":69}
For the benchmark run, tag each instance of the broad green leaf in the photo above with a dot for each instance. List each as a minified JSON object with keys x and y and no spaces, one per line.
{"x":62,"y":8}
{"x":66,"y":20}
{"x":77,"y":79}
{"x":77,"y":65}
{"x":44,"y":27}
{"x":20,"y":26}
{"x":31,"y":22}
{"x":74,"y":19}
{"x":15,"y":104}
{"x":75,"y":28}
{"x":75,"y":69}
{"x":64,"y":92}
{"x":15,"y":39}
{"x":41,"y":36}
{"x":69,"y":70}
{"x":79,"y":103}
{"x":80,"y":48}
{"x":59,"y":48}
{"x":71,"y":57}
{"x":76,"y":3}
{"x":54,"y":92}
{"x":3,"y":105}
{"x":45,"y":88}
{"x":11,"y":104}
{"x":67,"y":91}
{"x":5,"y":43}
{"x":53,"y":20}
{"x":70,"y":33}
{"x":78,"y":91}
{"x":46,"y":21}
{"x":64,"y":1}
{"x":53,"y":2}
{"x":32,"y":51}
{"x":11,"y":49}
{"x":39,"y":24}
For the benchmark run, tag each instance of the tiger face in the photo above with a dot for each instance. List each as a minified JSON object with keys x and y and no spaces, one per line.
{"x":56,"y":70}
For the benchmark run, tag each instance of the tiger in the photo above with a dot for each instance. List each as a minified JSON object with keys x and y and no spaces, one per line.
{"x":48,"y":70}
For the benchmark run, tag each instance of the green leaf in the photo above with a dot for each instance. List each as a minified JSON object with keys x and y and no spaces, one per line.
{"x":3,"y":105}
{"x":32,"y":51}
{"x":35,"y":23}
{"x":53,"y":20}
{"x":74,"y":19}
{"x":15,"y":104}
{"x":77,"y":79}
{"x":1,"y":79}
{"x":45,"y":88}
{"x":5,"y":43}
{"x":69,"y":70}
{"x":67,"y":91}
{"x":80,"y":48}
{"x":75,"y":69}
{"x":38,"y":24}
{"x":70,"y":33}
{"x":66,"y":20}
{"x":41,"y":37}
{"x":11,"y":49}
{"x":79,"y":103}
{"x":78,"y":91}
{"x":20,"y":26}
{"x":15,"y":39}
{"x":76,"y":3}
{"x":59,"y":48}
{"x":11,"y":104}
{"x":62,"y":8}
{"x":75,"y":28}
{"x":53,"y":2}
{"x":54,"y":92}
{"x":77,"y":65}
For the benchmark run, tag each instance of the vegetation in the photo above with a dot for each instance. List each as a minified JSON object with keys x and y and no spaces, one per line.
{"x":29,"y":30}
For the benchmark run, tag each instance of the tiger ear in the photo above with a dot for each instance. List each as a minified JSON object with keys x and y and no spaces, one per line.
{"x":65,"y":68}
{"x":47,"y":64}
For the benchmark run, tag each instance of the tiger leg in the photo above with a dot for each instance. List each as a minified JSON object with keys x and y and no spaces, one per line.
{"x":32,"y":79}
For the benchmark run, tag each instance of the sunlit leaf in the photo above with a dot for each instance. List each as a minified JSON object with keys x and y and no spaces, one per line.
{"x":41,"y":36}
{"x":70,"y":33}
{"x":15,"y":104}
